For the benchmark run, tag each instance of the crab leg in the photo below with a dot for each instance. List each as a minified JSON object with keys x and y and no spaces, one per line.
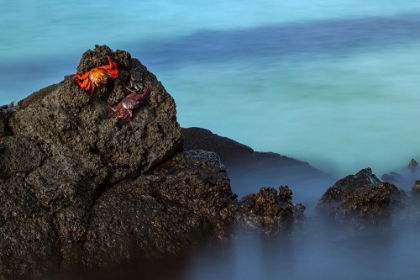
{"x":135,"y":95}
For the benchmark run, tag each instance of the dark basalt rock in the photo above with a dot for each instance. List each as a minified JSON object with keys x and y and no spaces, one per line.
{"x":415,"y":189}
{"x":249,"y":169}
{"x":414,"y":207}
{"x":408,"y":179}
{"x":203,"y":139}
{"x":270,"y":212}
{"x":405,"y":177}
{"x":362,"y":200}
{"x":78,"y":189}
{"x":182,"y":202}
{"x":69,"y":124}
{"x":265,"y":211}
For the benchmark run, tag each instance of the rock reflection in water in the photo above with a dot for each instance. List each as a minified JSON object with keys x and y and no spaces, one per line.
{"x":381,"y":254}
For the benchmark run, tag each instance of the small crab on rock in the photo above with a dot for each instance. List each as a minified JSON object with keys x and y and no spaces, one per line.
{"x":136,"y":78}
{"x":97,"y":76}
{"x":130,"y":102}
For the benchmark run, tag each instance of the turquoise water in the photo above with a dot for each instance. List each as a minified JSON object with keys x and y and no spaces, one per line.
{"x":334,"y":83}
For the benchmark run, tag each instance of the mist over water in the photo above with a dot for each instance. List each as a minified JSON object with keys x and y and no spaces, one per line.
{"x":333,"y":83}
{"x":387,"y":253}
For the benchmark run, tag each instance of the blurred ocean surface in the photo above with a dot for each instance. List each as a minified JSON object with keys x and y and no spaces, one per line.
{"x":335,"y":83}
{"x":332,"y":82}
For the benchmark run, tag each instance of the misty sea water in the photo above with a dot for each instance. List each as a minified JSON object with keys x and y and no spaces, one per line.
{"x":335,"y":83}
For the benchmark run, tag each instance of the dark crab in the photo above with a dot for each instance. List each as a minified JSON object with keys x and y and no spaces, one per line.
{"x":136,"y":78}
{"x":130,"y":102}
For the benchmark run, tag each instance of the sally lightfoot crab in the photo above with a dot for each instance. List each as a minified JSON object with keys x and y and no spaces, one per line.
{"x":130,"y":102}
{"x":97,"y":76}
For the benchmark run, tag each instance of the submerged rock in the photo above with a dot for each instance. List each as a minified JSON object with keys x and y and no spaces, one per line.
{"x":416,"y":188}
{"x":270,"y":212}
{"x":405,"y":177}
{"x":267,"y":211}
{"x":362,"y":200}
{"x":182,"y":202}
{"x":249,"y":169}
{"x":414,"y":207}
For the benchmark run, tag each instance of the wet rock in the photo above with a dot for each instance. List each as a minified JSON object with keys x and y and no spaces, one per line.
{"x":2,"y":127}
{"x":405,"y":177}
{"x":182,"y":202}
{"x":5,"y":112}
{"x":79,"y":189}
{"x":248,"y":169}
{"x":362,"y":200}
{"x":416,"y":188}
{"x":270,"y":212}
{"x":229,"y":150}
{"x":414,"y":206}
{"x":413,"y":164}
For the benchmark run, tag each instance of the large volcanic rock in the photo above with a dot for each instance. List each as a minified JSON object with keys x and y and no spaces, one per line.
{"x":78,"y":188}
{"x":362,"y":200}
{"x":69,"y":125}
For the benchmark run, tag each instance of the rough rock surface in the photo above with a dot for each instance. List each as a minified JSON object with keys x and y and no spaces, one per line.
{"x":181,"y":202}
{"x":414,"y":206}
{"x":68,"y":124}
{"x":249,"y":170}
{"x":270,"y":212}
{"x":81,"y":190}
{"x":415,"y":189}
{"x":78,"y":188}
{"x":362,"y":200}
{"x":405,"y":177}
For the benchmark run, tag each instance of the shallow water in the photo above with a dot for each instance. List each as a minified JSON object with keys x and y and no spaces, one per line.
{"x":334,"y":83}
{"x":328,"y":254}
{"x":376,"y":255}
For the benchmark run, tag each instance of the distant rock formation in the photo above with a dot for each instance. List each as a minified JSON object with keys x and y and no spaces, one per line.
{"x":405,"y":177}
{"x":362,"y":200}
{"x":249,"y":169}
{"x":270,"y":212}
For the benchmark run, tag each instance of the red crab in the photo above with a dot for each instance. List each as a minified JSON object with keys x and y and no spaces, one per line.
{"x":97,"y":76}
{"x":130,"y":102}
